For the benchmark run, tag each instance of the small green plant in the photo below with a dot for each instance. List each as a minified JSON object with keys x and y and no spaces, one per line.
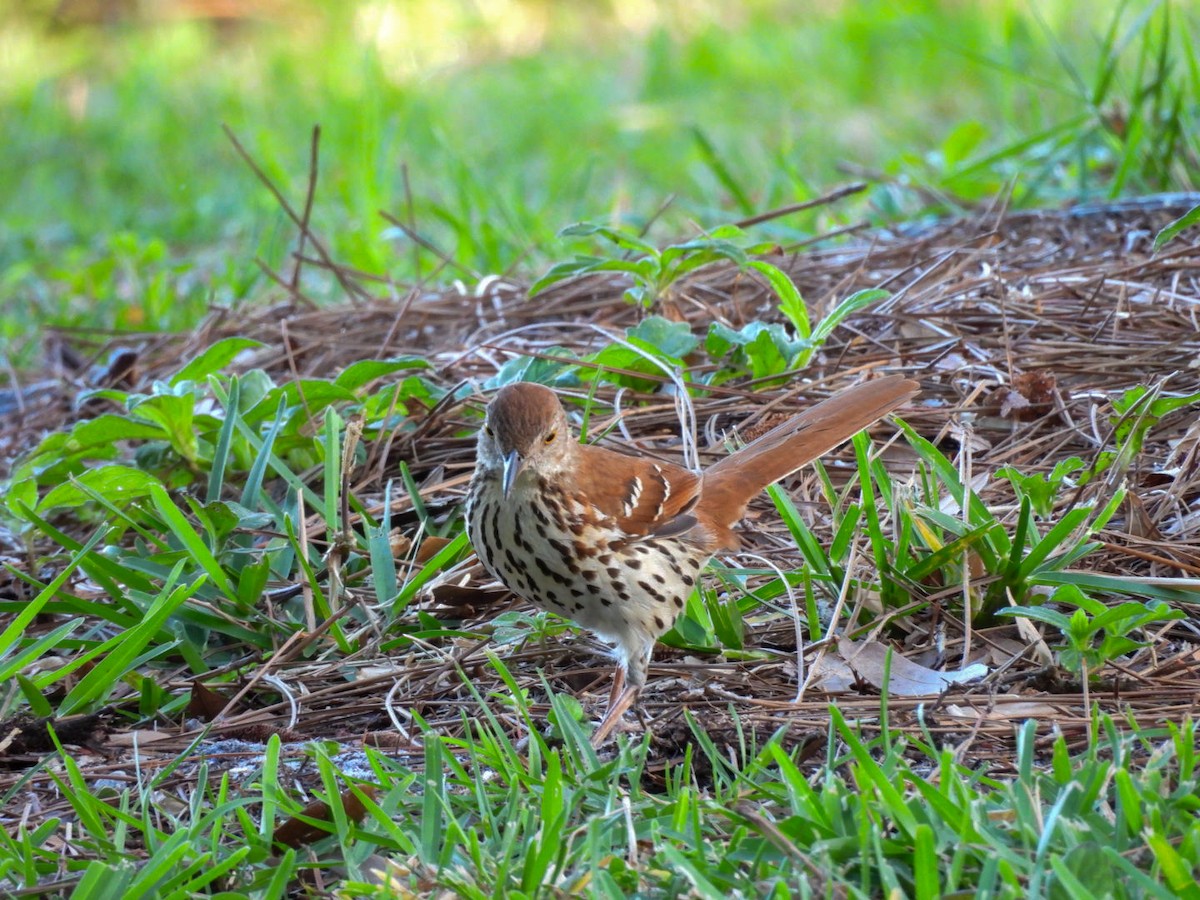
{"x":973,"y":541}
{"x":1135,"y":412}
{"x":653,"y":272}
{"x":195,"y":487}
{"x":711,"y":621}
{"x":648,"y":347}
{"x":517,"y":626}
{"x":176,"y":435}
{"x":1138,"y":410}
{"x":759,"y":349}
{"x":763,"y":349}
{"x":1095,"y":634}
{"x":1042,"y":490}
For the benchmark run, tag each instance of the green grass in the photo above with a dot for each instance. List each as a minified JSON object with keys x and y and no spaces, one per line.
{"x":480,"y":817}
{"x":124,"y":205}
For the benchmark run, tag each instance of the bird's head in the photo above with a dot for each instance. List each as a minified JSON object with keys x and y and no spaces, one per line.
{"x":525,"y":429}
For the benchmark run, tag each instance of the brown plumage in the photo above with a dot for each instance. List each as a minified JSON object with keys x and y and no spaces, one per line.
{"x":617,"y":542}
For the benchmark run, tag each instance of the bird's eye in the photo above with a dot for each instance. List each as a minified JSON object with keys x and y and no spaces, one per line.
{"x":550,"y":436}
{"x":487,"y":429}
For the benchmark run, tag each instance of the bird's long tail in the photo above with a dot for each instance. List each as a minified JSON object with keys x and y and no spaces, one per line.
{"x":732,"y":482}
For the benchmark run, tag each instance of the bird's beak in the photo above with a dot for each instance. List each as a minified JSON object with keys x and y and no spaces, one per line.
{"x":513,"y":464}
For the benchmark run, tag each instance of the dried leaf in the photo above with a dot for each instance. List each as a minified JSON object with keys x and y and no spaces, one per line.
{"x":1036,"y":387}
{"x":1030,"y":634}
{"x":400,"y":544}
{"x":1003,"y":711}
{"x":1013,"y":404}
{"x":869,"y":659}
{"x":831,"y":675}
{"x":389,"y":740}
{"x":1137,"y":518}
{"x":1030,"y":397}
{"x":430,"y":548}
{"x":139,"y":736}
{"x":205,"y":704}
{"x":302,"y":829}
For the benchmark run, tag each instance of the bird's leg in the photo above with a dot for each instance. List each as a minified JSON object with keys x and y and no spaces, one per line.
{"x":628,"y":680}
{"x":617,"y":684}
{"x":618,"y":703}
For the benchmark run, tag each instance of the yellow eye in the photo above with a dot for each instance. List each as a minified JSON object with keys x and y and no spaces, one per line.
{"x":549,"y":439}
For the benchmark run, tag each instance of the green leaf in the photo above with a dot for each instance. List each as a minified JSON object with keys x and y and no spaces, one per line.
{"x":365,"y":371}
{"x":254,"y":478}
{"x":1137,"y":587}
{"x":214,"y":358}
{"x":123,"y":648}
{"x":252,"y":581}
{"x":1121,"y":619}
{"x":623,"y":239}
{"x":224,"y":517}
{"x":1041,"y":558}
{"x":925,"y":863}
{"x":1178,"y":872}
{"x":1075,"y":597}
{"x":220,"y":456}
{"x":764,"y":349}
{"x":701,"y":886}
{"x":538,"y":370}
{"x":658,"y":339}
{"x":119,"y":484}
{"x":1187,"y":220}
{"x":387,"y":406}
{"x":720,"y":340}
{"x":961,"y":140}
{"x":1116,"y":647}
{"x":379,"y":548}
{"x":1039,"y":614}
{"x":562,"y":271}
{"x":639,"y":295}
{"x":176,"y":415}
{"x":1041,"y":490}
{"x":108,"y":428}
{"x":673,"y":339}
{"x":190,"y":540}
{"x":791,"y":303}
{"x":313,"y":394}
{"x":12,"y":665}
{"x":679,"y":259}
{"x":1080,"y":628}
{"x":764,"y":355}
{"x":854,"y":303}
{"x":330,"y":440}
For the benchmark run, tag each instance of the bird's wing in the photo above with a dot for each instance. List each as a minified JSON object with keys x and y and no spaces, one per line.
{"x":644,"y":498}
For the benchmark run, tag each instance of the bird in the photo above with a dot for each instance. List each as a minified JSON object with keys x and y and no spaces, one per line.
{"x":617,"y":541}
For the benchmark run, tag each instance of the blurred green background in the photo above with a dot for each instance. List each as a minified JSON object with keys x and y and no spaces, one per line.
{"x":493,"y":123}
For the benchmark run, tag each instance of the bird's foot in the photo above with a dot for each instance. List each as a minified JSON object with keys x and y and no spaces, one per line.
{"x":617,"y":707}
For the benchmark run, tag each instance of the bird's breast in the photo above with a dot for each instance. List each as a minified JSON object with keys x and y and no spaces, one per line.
{"x":552,"y":548}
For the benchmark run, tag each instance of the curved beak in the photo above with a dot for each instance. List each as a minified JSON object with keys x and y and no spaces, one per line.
{"x":513,"y":464}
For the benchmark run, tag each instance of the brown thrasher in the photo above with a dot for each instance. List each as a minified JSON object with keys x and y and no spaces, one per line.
{"x":617,"y":542}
